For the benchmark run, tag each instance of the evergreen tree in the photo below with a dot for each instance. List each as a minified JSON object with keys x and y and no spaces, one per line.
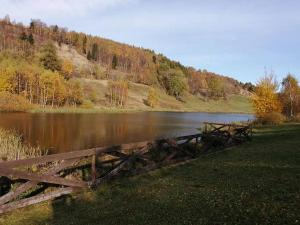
{"x":89,"y":55}
{"x":84,"y":42}
{"x":95,"y":52}
{"x":31,"y":26}
{"x":23,"y":36}
{"x":49,"y":58}
{"x":114,"y":63}
{"x":30,"y":39}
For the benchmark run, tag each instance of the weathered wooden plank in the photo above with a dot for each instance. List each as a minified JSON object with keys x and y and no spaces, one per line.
{"x":94,"y":169}
{"x":41,"y":178}
{"x":115,"y":171}
{"x":70,"y":155}
{"x":30,"y":184}
{"x":34,"y":200}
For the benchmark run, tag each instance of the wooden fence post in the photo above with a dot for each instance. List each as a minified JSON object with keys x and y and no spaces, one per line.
{"x":94,"y":169}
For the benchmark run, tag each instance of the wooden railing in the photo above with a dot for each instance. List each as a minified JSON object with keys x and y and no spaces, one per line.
{"x":30,"y":181}
{"x":227,"y":134}
{"x":55,"y":175}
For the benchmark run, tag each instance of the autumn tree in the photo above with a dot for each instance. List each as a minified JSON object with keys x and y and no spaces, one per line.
{"x":216,"y":87}
{"x":118,"y":93}
{"x":7,"y":72}
{"x":67,"y":69}
{"x":49,"y":58}
{"x":152,"y":99}
{"x":174,"y":82}
{"x":265,"y":98}
{"x":290,"y":95}
{"x":74,"y":93}
{"x":53,"y":88}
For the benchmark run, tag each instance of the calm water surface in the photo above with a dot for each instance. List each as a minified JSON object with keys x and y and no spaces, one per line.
{"x":69,"y":132}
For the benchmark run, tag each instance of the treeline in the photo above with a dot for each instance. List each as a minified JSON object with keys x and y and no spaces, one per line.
{"x":30,"y":67}
{"x":140,"y":65}
{"x":275,"y":102}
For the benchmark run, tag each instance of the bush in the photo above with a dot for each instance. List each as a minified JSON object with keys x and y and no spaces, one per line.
{"x":87,"y":104}
{"x":272,"y":118}
{"x":13,"y":103}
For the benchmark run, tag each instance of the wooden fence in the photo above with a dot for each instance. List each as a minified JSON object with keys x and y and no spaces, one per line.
{"x":30,"y":181}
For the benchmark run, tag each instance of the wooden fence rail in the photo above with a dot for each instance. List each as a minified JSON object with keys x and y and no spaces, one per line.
{"x":52,"y":176}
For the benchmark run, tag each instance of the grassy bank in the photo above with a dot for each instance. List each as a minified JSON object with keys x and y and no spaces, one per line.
{"x":256,"y":183}
{"x":136,"y":102}
{"x":138,"y":94}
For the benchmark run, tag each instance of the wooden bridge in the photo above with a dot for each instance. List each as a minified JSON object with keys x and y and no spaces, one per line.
{"x":30,"y":181}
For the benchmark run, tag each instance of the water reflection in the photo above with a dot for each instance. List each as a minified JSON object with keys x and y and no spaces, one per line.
{"x":69,"y":132}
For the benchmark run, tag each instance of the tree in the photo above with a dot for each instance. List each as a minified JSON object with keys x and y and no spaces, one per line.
{"x":84,"y":42}
{"x":249,"y":87}
{"x":216,"y":87}
{"x":53,"y":88}
{"x":95,"y":52}
{"x":23,"y":36}
{"x":74,"y":92}
{"x":174,"y":82}
{"x":67,"y":69}
{"x":265,"y":98}
{"x":118,"y":93}
{"x":7,"y":73}
{"x":289,"y":94}
{"x":152,"y":99}
{"x":30,"y":39}
{"x":114,"y":62}
{"x":49,"y":58}
{"x":89,"y":56}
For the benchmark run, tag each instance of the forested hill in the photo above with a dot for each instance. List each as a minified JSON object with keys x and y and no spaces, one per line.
{"x":34,"y":55}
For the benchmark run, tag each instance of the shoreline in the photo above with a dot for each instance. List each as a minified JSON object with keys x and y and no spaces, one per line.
{"x":70,"y":110}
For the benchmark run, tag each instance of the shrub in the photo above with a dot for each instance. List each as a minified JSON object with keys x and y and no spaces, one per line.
{"x":12,"y":147}
{"x":13,"y":103}
{"x":271,"y":118}
{"x":87,"y":104}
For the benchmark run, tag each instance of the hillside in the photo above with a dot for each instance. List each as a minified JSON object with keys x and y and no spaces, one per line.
{"x":54,"y":67}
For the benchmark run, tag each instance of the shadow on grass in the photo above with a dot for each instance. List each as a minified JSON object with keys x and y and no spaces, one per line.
{"x":256,"y":183}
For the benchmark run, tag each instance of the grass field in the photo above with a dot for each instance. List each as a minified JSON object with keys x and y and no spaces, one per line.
{"x":256,"y":183}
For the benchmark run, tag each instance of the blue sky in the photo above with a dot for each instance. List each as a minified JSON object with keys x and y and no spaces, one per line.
{"x":237,"y":38}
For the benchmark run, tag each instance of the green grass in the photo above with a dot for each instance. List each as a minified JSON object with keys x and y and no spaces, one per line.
{"x":256,"y":183}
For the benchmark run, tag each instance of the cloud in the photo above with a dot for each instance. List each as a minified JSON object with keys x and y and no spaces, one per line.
{"x":54,"y":9}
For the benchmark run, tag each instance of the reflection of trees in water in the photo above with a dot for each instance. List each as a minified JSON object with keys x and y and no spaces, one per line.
{"x":69,"y":132}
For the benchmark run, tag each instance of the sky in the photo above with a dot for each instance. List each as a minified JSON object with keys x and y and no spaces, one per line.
{"x":237,"y":38}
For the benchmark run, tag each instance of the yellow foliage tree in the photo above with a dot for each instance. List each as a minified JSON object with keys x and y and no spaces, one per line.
{"x":67,"y":69}
{"x":118,"y":92}
{"x":152,"y":99}
{"x":265,"y":98}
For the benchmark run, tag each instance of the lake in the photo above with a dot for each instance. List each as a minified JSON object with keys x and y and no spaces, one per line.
{"x":70,"y":132}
